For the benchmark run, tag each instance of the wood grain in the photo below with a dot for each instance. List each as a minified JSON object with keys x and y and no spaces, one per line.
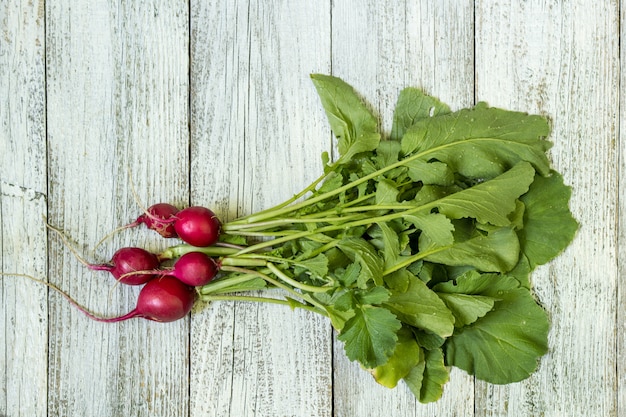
{"x":387,"y":47}
{"x":562,"y":61}
{"x":210,"y":103}
{"x":117,"y":87}
{"x":257,"y":135}
{"x":24,"y":308}
{"x":620,"y":225}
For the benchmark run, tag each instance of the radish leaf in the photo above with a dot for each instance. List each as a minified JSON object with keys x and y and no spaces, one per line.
{"x":414,"y":105}
{"x":370,"y":335}
{"x":504,"y":345}
{"x":352,"y":123}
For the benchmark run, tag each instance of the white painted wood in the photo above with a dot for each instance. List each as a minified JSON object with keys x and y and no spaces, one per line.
{"x":257,"y":134}
{"x":24,"y":308}
{"x":117,"y":92}
{"x":561,"y":59}
{"x":380,"y":48}
{"x":620,"y":328}
{"x":219,"y":94}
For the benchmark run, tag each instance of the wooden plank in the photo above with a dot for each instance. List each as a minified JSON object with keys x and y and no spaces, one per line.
{"x":561,"y":59}
{"x":621,"y":228}
{"x":380,"y":48}
{"x":117,"y":96}
{"x":118,"y":85}
{"x":24,"y":306}
{"x":257,"y":134}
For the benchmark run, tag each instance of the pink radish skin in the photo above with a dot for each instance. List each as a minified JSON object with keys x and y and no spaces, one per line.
{"x":198,"y":226}
{"x":126,"y":261}
{"x":160,"y":218}
{"x":195,"y":269}
{"x":162,"y":299}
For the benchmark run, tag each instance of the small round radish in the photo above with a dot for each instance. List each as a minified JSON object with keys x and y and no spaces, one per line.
{"x":160,"y":218}
{"x":197,"y":226}
{"x":162,"y":299}
{"x":126,"y":261}
{"x":195,"y":269}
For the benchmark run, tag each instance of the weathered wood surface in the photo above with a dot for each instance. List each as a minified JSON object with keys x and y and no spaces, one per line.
{"x":210,"y":103}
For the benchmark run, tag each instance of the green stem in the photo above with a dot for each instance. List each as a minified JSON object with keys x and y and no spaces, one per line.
{"x":317,"y":217}
{"x":418,"y":256}
{"x":331,"y":228}
{"x":262,"y":260}
{"x":224,"y":283}
{"x":276,"y":283}
{"x":179,"y":250}
{"x":309,"y":188}
{"x":304,"y":287}
{"x":286,"y":221}
{"x":319,"y":250}
{"x":268,"y":214}
{"x":259,"y":233}
{"x":242,"y":261}
{"x":261,"y":300}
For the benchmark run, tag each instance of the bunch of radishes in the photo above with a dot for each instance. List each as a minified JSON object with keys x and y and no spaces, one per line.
{"x":169,"y":292}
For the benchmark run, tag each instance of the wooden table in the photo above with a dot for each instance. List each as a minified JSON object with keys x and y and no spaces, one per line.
{"x":210,"y":103}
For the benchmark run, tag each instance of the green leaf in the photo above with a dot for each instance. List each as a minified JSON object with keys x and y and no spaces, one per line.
{"x":548,"y":223}
{"x":491,"y":201}
{"x":359,"y":250}
{"x":428,"y":341}
{"x":415,"y":377}
{"x":373,"y":296}
{"x":398,"y":281}
{"x":434,"y":172}
{"x":420,"y":307}
{"x":429,"y":193}
{"x":390,"y":245}
{"x":338,"y":318}
{"x":344,"y":300}
{"x":497,"y":251}
{"x":436,"y":227}
{"x":504,"y":345}
{"x":386,"y":192}
{"x":522,"y":271}
{"x":413,"y":105}
{"x":352,"y":123}
{"x":317,"y":266}
{"x":467,"y":308}
{"x":481,"y":142}
{"x":404,"y":358}
{"x":332,"y":182}
{"x":350,"y":274}
{"x":459,"y":295}
{"x":387,"y":153}
{"x":426,"y":381}
{"x":370,"y":335}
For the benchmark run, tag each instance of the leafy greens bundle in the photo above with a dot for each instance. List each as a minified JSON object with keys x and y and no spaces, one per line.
{"x":418,"y":247}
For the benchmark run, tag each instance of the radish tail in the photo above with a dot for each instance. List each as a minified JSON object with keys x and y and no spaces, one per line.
{"x":75,"y":303}
{"x":68,"y":244}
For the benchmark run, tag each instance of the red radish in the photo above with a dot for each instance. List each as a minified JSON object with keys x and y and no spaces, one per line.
{"x":197,"y":226}
{"x":193,"y":268}
{"x":126,"y":261}
{"x":162,"y":299}
{"x":160,"y":218}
